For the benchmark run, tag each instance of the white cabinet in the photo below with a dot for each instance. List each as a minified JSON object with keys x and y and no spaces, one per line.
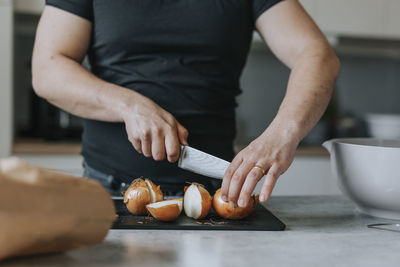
{"x":29,"y":6}
{"x":352,"y":17}
{"x":393,"y":18}
{"x":6,"y":20}
{"x":310,"y":6}
{"x":306,"y":176}
{"x":356,"y":18}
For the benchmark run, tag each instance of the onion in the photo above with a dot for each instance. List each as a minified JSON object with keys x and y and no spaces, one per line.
{"x":139,"y":194}
{"x":197,"y":201}
{"x":225,"y":210}
{"x":166,"y":210}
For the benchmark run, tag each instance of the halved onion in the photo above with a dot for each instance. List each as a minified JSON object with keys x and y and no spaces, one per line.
{"x":166,"y":210}
{"x":225,"y":210}
{"x":197,"y":201}
{"x":139,"y":194}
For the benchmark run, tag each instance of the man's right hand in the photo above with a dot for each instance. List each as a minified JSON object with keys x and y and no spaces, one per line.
{"x":154,"y":131}
{"x":62,"y":41}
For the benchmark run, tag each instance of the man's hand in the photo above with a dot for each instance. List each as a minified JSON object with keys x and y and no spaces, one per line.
{"x":62,"y":41}
{"x":295,"y":39}
{"x":153,"y":131}
{"x":273,"y":152}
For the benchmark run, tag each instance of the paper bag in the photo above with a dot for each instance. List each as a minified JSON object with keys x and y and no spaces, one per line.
{"x":43,"y":211}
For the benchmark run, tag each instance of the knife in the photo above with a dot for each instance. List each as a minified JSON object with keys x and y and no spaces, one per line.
{"x":197,"y":161}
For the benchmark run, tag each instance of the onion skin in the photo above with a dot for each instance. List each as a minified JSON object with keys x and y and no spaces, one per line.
{"x":225,"y":210}
{"x":206,"y":203}
{"x":166,"y":213}
{"x":137,"y":196}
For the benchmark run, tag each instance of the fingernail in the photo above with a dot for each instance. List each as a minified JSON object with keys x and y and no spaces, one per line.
{"x":263,"y":198}
{"x":233,"y":204}
{"x":241,"y":203}
{"x":224,"y":198}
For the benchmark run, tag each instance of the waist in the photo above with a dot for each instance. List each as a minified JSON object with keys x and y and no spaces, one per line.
{"x":106,"y":147}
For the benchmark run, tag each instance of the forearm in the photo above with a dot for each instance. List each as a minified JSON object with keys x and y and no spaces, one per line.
{"x":308,"y":93}
{"x":66,"y":84}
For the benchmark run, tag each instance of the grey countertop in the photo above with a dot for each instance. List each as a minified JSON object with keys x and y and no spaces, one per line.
{"x":321,"y":231}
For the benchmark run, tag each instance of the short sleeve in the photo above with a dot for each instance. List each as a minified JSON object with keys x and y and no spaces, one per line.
{"x":259,"y":6}
{"x":81,"y":8}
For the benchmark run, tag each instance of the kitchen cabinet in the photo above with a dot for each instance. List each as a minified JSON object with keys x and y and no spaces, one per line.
{"x":6,"y":28}
{"x":356,"y":18}
{"x":29,"y":6}
{"x":393,"y":18}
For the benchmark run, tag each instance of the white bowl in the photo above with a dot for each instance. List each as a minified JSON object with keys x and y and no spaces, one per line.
{"x":383,"y":125}
{"x":368,"y":172}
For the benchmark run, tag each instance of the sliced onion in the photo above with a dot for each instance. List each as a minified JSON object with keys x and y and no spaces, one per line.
{"x":197,"y":201}
{"x":166,"y":210}
{"x":225,"y":210}
{"x":155,"y":192}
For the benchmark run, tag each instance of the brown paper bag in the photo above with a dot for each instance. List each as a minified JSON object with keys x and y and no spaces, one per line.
{"x":43,"y":211}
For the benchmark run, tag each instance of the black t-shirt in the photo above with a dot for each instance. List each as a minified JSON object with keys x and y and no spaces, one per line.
{"x":186,"y":55}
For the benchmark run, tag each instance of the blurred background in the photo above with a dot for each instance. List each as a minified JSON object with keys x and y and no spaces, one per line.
{"x":364,"y":33}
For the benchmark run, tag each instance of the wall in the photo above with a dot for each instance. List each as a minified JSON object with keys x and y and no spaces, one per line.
{"x":5,"y":77}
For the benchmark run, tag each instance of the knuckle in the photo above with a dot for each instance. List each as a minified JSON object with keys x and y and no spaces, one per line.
{"x":236,"y":178}
{"x":170,"y":120}
{"x":171,"y":128}
{"x":156,"y":129}
{"x":229,"y":172}
{"x":253,"y":176}
{"x":173,"y":154}
{"x":146,"y":133}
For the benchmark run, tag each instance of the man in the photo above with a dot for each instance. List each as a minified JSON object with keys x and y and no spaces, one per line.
{"x":161,"y":70}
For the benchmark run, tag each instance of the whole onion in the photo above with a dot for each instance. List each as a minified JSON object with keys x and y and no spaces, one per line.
{"x":225,"y":210}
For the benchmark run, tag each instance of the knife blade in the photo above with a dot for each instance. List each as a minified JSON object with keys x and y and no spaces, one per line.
{"x":197,"y":161}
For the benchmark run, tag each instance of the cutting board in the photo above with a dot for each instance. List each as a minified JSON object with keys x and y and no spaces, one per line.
{"x":260,"y":220}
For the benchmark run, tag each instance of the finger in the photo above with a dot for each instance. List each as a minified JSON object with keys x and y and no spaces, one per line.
{"x":228,"y":176}
{"x":182,"y":134}
{"x":250,"y":183}
{"x":172,"y":146}
{"x":269,"y":183}
{"x":146,"y":144}
{"x":158,"y":145}
{"x":237,"y":181}
{"x":136,"y":144}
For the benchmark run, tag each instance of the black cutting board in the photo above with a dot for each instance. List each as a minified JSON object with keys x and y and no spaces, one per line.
{"x":260,"y":220}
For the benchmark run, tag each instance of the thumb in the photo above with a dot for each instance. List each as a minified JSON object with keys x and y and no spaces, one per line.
{"x":182,"y":134}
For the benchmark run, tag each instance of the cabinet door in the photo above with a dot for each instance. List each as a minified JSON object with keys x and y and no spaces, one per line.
{"x":29,"y":6}
{"x":310,"y":6}
{"x":393,"y":19}
{"x":352,"y":17}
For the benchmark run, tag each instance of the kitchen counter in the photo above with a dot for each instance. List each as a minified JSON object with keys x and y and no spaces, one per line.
{"x":321,"y":231}
{"x":41,"y":147}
